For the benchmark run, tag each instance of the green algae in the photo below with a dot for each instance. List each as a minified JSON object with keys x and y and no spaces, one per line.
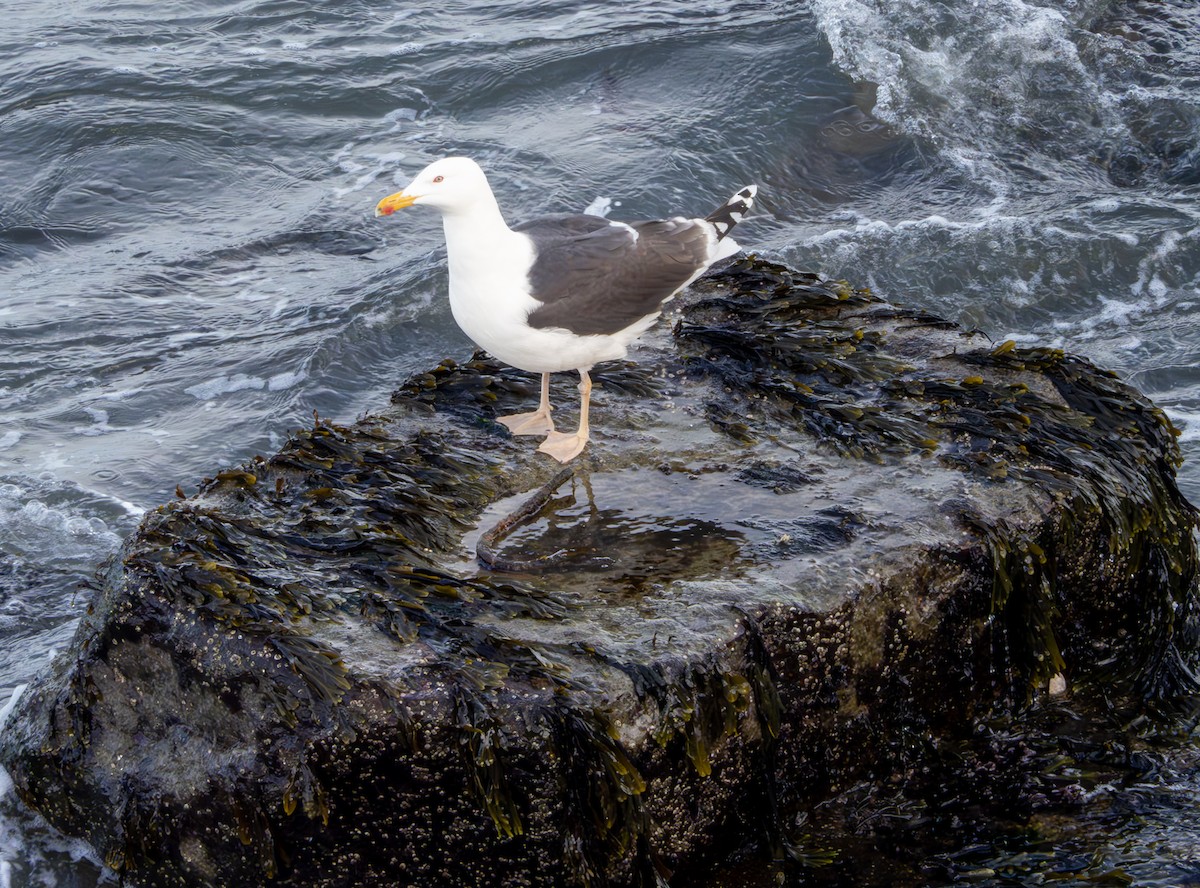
{"x":357,"y":502}
{"x":354,"y":525}
{"x":800,"y":352}
{"x":788,"y":353}
{"x":374,"y":524}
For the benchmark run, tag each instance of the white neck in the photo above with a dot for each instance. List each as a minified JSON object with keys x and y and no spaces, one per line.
{"x":479,"y":242}
{"x":476,"y":223}
{"x":490,"y":288}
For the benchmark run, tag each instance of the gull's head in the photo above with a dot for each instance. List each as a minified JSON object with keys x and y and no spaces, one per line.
{"x":449,"y":185}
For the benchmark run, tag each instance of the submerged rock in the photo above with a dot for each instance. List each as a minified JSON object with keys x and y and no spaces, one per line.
{"x":816,"y":538}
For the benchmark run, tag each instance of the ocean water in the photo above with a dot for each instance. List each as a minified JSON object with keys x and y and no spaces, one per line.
{"x":189,"y":264}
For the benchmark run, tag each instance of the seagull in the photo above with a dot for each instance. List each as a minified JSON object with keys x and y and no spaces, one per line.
{"x":561,"y":292}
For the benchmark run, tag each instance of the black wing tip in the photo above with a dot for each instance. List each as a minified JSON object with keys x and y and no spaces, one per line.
{"x":732,"y":212}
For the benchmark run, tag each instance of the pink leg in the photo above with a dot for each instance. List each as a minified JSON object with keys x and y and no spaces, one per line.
{"x":536,"y":423}
{"x":564,"y":447}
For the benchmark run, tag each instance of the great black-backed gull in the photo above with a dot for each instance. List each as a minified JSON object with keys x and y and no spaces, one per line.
{"x":560,"y":292}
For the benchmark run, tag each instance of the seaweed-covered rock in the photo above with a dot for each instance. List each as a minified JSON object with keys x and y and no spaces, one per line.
{"x":817,"y":538}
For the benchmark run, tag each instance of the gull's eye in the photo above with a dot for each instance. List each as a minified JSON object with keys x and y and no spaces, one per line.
{"x":437,"y":179}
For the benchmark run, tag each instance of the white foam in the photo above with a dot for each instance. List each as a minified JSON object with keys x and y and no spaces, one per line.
{"x":866,"y":227}
{"x":1166,"y":262}
{"x":399,"y":114}
{"x":282,"y":381}
{"x":121,"y":395}
{"x":601,"y":207}
{"x":370,"y":166}
{"x":964,"y":76}
{"x":10,"y":705}
{"x":39,"y":858}
{"x":1114,"y":311}
{"x":6,"y":783}
{"x":222,"y":385}
{"x":359,"y":184}
{"x":132,"y":509}
{"x":252,"y":295}
{"x":9,"y":439}
{"x":1187,"y":421}
{"x":190,"y":336}
{"x":236,"y":280}
{"x":99,"y":424}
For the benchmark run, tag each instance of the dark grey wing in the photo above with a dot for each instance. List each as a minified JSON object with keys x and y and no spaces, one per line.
{"x":595,"y":276}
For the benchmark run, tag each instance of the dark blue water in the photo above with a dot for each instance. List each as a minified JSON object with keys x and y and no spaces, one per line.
{"x":189,"y":264}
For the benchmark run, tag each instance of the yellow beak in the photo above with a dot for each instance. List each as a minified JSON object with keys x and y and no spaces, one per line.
{"x":393,"y":202}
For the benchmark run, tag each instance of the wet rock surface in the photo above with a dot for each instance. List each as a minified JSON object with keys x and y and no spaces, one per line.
{"x":817,"y":542}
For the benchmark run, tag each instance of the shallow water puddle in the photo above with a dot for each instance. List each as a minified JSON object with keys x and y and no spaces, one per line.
{"x":639,"y":526}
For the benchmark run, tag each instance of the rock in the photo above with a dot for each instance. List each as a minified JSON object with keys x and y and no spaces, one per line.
{"x":816,"y":539}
